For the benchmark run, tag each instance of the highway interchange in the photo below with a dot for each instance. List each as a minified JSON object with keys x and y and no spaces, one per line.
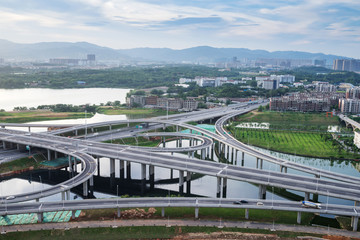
{"x":339,"y":186}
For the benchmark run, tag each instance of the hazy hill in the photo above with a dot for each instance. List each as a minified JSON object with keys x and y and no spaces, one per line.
{"x":202,"y":54}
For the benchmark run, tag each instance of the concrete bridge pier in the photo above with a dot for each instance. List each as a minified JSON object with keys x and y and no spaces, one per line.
{"x":181,"y":181}
{"x":68,"y":194}
{"x":118,"y":212}
{"x":71,"y":171}
{"x":122,"y":170}
{"x":98,"y":166}
{"x":152,"y":176}
{"x":307,"y":196}
{"x":40,"y":216}
{"x":163,"y":141}
{"x":91,"y":181}
{"x":203,"y":153}
{"x":62,"y":195}
{"x":110,"y":127}
{"x":227,"y":152}
{"x":224,"y":187}
{"x":76,"y":132}
{"x":283,"y":169}
{"x":112,"y":171}
{"x":259,"y":163}
{"x":29,"y":129}
{"x":242,"y":159}
{"x":171,"y":173}
{"x":177,"y":128}
{"x":143,"y":178}
{"x":212,"y":151}
{"x":218,"y":187}
{"x":246,"y":213}
{"x":85,"y":189}
{"x":128,"y":170}
{"x":73,"y":214}
{"x":298,"y":219}
{"x":188,"y":182}
{"x":262,"y":192}
{"x":180,"y":142}
{"x":355,"y":222}
{"x":48,"y":154}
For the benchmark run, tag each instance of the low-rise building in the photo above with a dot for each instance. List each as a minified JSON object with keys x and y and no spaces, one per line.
{"x":133,"y":100}
{"x":190,"y":105}
{"x":170,"y":103}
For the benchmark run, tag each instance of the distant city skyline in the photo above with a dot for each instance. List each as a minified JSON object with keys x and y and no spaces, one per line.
{"x":327,"y":26}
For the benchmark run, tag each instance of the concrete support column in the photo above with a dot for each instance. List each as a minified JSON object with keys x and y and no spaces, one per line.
{"x":4,"y":145}
{"x":98,"y":166}
{"x":162,"y":212}
{"x":152,"y":176}
{"x":71,"y":171}
{"x":67,"y":194}
{"x":118,"y":212}
{"x":261,"y":163}
{"x":110,"y":127}
{"x":212,"y":151}
{"x":188,"y":182}
{"x":171,"y":173}
{"x":56,"y":155}
{"x":17,"y":146}
{"x":85,"y":189}
{"x":242,"y":159}
{"x":112,"y":171}
{"x":75,"y":165}
{"x":128,"y":170}
{"x":143,"y":178}
{"x":122,"y":170}
{"x":218,"y":187}
{"x":202,"y":154}
{"x":181,"y":181}
{"x":180,"y":142}
{"x":246,"y":213}
{"x":262,"y":192}
{"x":163,"y":141}
{"x":196,"y":212}
{"x":257,"y":162}
{"x":298,"y":219}
{"x":76,"y":132}
{"x":48,"y":155}
{"x":224,"y":187}
{"x":73,"y":214}
{"x":307,"y":196}
{"x":91,"y":181}
{"x":40,"y":217}
{"x":62,"y":196}
{"x":177,"y":128}
{"x":355,"y":223}
{"x":227,"y":152}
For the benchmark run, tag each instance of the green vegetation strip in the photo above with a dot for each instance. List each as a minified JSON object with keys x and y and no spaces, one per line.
{"x":32,"y":116}
{"x":284,"y":217}
{"x":18,"y":164}
{"x":145,"y":232}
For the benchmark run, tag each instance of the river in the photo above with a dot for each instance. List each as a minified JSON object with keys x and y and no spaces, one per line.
{"x":33,"y":97}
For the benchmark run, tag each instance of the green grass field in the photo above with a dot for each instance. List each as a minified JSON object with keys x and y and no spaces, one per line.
{"x":134,"y":112}
{"x":32,"y":116}
{"x":298,"y":143}
{"x":291,"y":120}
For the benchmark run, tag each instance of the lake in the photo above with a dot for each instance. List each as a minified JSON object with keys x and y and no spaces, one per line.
{"x":33,"y":97}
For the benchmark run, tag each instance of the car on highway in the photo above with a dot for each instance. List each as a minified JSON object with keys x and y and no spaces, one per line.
{"x":237,"y":202}
{"x":10,"y":197}
{"x":244,"y":201}
{"x":259,"y":204}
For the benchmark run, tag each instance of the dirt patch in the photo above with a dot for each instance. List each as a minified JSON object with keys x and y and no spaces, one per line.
{"x":331,"y":237}
{"x":229,"y":235}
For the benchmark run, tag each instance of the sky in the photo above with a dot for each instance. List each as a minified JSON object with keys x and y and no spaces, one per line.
{"x":327,"y":26}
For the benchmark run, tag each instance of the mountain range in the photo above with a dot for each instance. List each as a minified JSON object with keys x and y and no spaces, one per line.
{"x":43,"y":51}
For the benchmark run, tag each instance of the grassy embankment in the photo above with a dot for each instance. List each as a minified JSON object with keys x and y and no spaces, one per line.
{"x":294,"y":133}
{"x":145,"y":232}
{"x":32,"y":116}
{"x":134,"y":112}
